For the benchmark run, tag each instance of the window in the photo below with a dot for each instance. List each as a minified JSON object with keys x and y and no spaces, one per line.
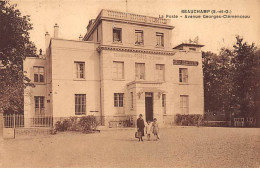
{"x":132,"y":100}
{"x":164,"y":103}
{"x":118,"y":99}
{"x":139,"y":71}
{"x":39,"y":105}
{"x":117,"y":35}
{"x":118,"y":70}
{"x":80,"y":104}
{"x":80,"y":70}
{"x":184,"y":104}
{"x":139,"y":40}
{"x":38,"y":74}
{"x":183,"y":75}
{"x":159,"y":73}
{"x":159,"y":39}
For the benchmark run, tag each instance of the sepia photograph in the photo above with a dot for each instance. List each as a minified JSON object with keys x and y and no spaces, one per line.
{"x":129,"y":84}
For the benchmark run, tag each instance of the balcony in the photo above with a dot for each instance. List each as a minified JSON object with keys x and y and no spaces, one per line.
{"x":133,"y":17}
{"x":129,"y":17}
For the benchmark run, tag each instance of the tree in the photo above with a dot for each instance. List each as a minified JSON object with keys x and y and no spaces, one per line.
{"x":217,"y":82}
{"x":232,"y":80}
{"x":246,"y":63}
{"x":15,"y":45}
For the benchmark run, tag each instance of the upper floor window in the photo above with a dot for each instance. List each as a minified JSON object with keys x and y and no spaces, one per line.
{"x":139,"y":71}
{"x":38,"y":74}
{"x":159,"y":72}
{"x":118,"y":70}
{"x":117,"y":35}
{"x":118,"y":99}
{"x":80,"y":70}
{"x":183,"y":75}
{"x":80,"y":104}
{"x":159,"y":39}
{"x":39,"y":105}
{"x":139,"y":39}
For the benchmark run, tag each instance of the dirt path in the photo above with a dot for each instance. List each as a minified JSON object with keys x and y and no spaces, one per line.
{"x":178,"y":147}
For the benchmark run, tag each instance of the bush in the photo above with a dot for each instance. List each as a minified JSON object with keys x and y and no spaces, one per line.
{"x":85,"y":124}
{"x":88,"y":124}
{"x":188,"y":120}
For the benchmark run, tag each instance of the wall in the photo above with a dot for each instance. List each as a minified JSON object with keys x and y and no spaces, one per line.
{"x":64,"y":84}
{"x":128,"y":35}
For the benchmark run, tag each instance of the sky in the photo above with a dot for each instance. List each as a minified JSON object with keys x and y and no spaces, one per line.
{"x":73,"y":16}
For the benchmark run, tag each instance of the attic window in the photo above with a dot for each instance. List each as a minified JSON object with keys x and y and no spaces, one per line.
{"x":192,"y":49}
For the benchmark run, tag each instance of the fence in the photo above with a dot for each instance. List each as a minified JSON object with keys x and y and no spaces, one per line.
{"x":13,"y":121}
{"x":245,"y":122}
{"x":19,"y":121}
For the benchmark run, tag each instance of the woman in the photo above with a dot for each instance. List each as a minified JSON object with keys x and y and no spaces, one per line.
{"x":155,"y":128}
{"x":140,"y":127}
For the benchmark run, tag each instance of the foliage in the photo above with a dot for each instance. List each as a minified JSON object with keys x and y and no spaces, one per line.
{"x":14,"y":47}
{"x":231,"y":80}
{"x":88,"y":123}
{"x":84,"y":124}
{"x":188,"y":120}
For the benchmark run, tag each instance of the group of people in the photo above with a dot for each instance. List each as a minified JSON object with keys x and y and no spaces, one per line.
{"x":149,"y":127}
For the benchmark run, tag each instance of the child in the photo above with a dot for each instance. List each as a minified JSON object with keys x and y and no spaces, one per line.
{"x":148,"y":129}
{"x":155,"y":129}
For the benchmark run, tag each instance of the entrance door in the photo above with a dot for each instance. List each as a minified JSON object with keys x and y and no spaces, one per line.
{"x":149,"y":106}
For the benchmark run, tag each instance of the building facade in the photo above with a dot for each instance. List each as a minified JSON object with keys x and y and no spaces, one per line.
{"x":124,"y":66}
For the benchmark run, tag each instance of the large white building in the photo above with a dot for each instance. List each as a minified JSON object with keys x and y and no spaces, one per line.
{"x":124,"y":66}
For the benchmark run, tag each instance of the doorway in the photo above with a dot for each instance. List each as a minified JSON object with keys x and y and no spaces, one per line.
{"x":149,"y":106}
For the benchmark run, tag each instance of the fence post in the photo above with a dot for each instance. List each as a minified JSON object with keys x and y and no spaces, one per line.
{"x":14,"y":124}
{"x":1,"y":124}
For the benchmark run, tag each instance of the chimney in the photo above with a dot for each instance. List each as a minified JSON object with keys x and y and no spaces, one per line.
{"x":56,"y":31}
{"x":47,"y":40}
{"x":80,"y":37}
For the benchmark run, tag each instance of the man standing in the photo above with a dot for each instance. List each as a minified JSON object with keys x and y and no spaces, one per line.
{"x":140,"y":127}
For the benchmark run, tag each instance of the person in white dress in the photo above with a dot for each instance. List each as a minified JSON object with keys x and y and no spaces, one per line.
{"x":148,"y":129}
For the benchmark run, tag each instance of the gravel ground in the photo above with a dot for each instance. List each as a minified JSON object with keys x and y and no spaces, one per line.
{"x":178,"y":147}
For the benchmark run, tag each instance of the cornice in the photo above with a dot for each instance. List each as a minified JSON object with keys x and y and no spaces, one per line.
{"x":127,"y":49}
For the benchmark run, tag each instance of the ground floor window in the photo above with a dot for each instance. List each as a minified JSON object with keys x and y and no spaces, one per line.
{"x":164,"y":103}
{"x":132,"y":100}
{"x":118,"y":99}
{"x":39,"y":105}
{"x":80,"y":104}
{"x":184,"y":104}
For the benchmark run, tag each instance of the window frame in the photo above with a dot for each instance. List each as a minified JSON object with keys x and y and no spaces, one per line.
{"x":184,"y":109}
{"x":116,"y":63}
{"x":120,"y":35}
{"x":183,"y":76}
{"x":137,"y":42}
{"x":164,"y":103}
{"x":139,"y":69}
{"x":80,"y":104}
{"x":132,"y":100}
{"x":39,"y":105}
{"x":118,"y":99}
{"x":77,"y":74}
{"x":38,"y":74}
{"x":157,"y":75}
{"x":159,"y":43}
